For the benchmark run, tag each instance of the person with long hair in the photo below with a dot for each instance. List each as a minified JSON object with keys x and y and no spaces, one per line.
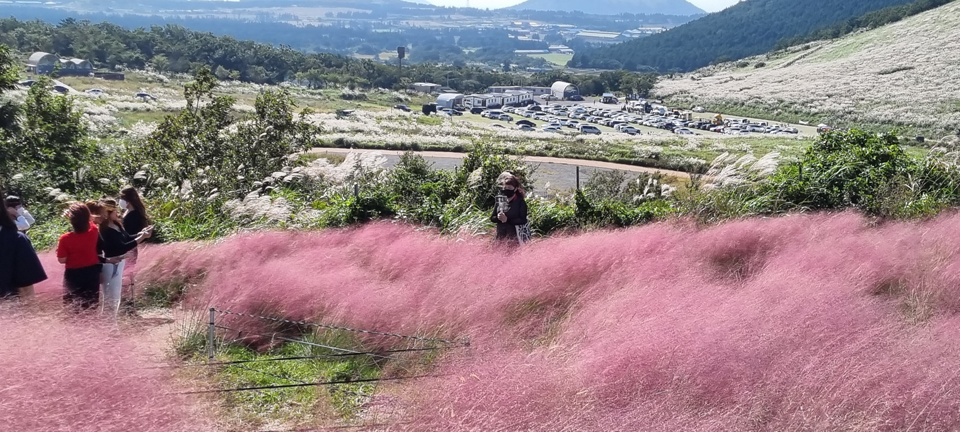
{"x":20,"y":267}
{"x":510,"y":213}
{"x":113,"y":246}
{"x":135,"y":218}
{"x":77,"y":250}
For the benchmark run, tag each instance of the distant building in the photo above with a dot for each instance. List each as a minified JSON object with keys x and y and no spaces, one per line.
{"x":563,"y":90}
{"x":483,"y":100}
{"x":642,"y":32}
{"x":424,"y":87}
{"x":536,"y":91}
{"x":525,"y":52}
{"x":42,"y":63}
{"x":514,"y":97}
{"x":449,"y":100}
{"x":45,"y":63}
{"x":599,"y":37}
{"x":560,"y":49}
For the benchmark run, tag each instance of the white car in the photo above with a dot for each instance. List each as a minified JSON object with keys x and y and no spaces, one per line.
{"x":505,"y":117}
{"x":524,"y":127}
{"x":553,"y":129}
{"x":683,"y":131}
{"x":630,"y":130}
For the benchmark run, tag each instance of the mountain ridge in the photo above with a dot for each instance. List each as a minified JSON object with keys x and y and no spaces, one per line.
{"x":613,"y":7}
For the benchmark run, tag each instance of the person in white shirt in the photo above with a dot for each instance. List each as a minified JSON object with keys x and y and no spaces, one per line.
{"x":19,"y":213}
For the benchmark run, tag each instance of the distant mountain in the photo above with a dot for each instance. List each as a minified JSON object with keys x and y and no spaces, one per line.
{"x":747,"y":28}
{"x":613,"y":7}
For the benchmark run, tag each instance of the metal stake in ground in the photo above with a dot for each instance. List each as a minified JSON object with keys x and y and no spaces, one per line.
{"x":210,"y":333}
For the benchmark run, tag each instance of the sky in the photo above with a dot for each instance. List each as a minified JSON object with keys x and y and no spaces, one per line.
{"x":707,"y":5}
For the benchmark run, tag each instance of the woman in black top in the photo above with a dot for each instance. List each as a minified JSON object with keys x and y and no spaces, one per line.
{"x":112,"y":248}
{"x":510,"y":213}
{"x":20,"y":267}
{"x":134,"y":217}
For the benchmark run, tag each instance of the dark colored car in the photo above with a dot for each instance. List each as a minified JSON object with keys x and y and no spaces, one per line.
{"x":476,"y":110}
{"x":526,"y":122}
{"x":403,"y":108}
{"x":576,"y":98}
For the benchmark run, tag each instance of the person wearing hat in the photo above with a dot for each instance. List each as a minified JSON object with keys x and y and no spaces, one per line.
{"x":18,"y":213}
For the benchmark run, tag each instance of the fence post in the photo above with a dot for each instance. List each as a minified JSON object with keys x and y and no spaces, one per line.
{"x":356,"y":190}
{"x":578,"y":177}
{"x":210,"y":333}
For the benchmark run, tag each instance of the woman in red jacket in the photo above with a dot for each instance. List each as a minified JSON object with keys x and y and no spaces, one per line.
{"x":78,"y":251}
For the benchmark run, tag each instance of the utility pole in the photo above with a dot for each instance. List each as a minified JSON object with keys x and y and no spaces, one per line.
{"x":401,"y":53}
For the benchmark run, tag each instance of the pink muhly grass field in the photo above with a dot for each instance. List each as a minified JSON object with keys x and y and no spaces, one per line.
{"x":68,"y":373}
{"x":819,"y":322}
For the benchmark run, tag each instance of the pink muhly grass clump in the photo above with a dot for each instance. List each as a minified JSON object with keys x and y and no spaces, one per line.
{"x":66,"y":373}
{"x":815,"y":322}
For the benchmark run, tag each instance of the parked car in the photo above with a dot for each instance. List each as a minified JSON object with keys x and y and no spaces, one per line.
{"x":630,"y":130}
{"x":94,"y":92}
{"x":505,"y":117}
{"x":577,"y":98}
{"x":553,"y":129}
{"x":525,"y":128}
{"x":683,"y":131}
{"x":452,"y":112}
{"x":403,"y":108}
{"x":476,"y":110}
{"x":589,"y":129}
{"x":573,"y":124}
{"x":526,"y":122}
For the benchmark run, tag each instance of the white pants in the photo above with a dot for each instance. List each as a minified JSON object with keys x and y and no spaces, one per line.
{"x":112,"y":283}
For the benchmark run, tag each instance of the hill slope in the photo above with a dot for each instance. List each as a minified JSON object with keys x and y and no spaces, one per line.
{"x":903,"y":74}
{"x":748,"y":28}
{"x":613,"y":7}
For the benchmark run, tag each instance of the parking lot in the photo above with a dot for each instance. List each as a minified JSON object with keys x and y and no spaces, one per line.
{"x":592,"y":116}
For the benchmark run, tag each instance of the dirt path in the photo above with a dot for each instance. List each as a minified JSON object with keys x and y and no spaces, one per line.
{"x":535,"y":159}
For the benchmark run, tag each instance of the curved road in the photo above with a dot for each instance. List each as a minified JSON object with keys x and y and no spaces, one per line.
{"x":535,"y":159}
{"x":552,"y":174}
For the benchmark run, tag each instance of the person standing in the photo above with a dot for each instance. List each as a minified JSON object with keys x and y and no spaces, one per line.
{"x":20,"y":214}
{"x":113,"y":246}
{"x":135,"y":217}
{"x":510,"y":213}
{"x":77,"y":250}
{"x":20,"y":267}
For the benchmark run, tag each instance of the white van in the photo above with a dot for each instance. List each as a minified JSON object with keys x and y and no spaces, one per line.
{"x":589,"y":129}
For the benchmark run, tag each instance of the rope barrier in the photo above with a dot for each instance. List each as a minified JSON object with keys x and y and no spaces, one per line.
{"x":465,"y":342}
{"x":316,"y":357}
{"x":323,"y":383}
{"x":330,"y":347}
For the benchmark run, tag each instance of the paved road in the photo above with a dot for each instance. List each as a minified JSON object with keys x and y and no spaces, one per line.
{"x":553,"y":174}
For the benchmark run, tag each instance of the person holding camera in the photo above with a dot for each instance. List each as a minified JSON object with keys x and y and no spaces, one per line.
{"x":20,"y":267}
{"x":510,"y":213}
{"x":112,"y":248}
{"x":17,"y":212}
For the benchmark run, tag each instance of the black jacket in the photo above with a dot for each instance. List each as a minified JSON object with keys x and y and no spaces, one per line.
{"x":516,"y":215}
{"x":114,"y":243}
{"x":134,"y":222}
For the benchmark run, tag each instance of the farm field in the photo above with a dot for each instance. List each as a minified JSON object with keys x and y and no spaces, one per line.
{"x":555,"y":58}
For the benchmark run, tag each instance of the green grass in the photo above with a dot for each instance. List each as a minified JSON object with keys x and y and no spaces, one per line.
{"x":430,"y":121}
{"x":555,"y":58}
{"x":295,"y":403}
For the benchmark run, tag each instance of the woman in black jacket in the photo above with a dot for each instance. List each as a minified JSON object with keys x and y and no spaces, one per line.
{"x":510,"y":213}
{"x":113,"y":246}
{"x":20,"y":267}
{"x":134,"y":215}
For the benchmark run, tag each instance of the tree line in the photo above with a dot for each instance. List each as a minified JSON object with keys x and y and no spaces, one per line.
{"x":745,"y":29}
{"x":175,"y":49}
